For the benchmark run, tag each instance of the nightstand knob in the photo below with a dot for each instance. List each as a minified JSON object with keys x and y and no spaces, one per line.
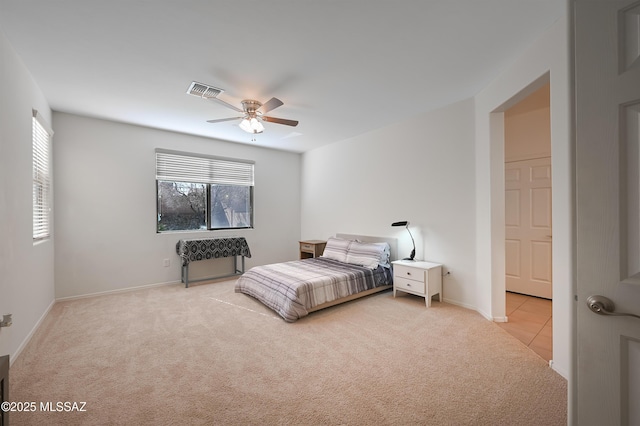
{"x":408,"y":273}
{"x":408,"y":285}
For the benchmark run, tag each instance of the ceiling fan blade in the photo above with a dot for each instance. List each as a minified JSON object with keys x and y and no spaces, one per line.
{"x":220,"y":120}
{"x":272,"y":103}
{"x":284,"y":121}
{"x":228,"y":105}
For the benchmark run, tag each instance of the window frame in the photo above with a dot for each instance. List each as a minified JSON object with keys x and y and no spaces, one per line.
{"x":41,"y":140}
{"x":209,"y":178}
{"x":209,"y":212}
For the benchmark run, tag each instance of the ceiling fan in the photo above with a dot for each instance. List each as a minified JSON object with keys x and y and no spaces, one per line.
{"x":253,"y":112}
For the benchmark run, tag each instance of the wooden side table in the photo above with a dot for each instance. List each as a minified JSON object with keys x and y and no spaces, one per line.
{"x":420,"y":278}
{"x":311,"y":248}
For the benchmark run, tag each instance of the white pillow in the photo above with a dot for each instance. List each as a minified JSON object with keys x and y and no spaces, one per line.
{"x":368,"y":255}
{"x":385,"y":255}
{"x":336,"y":249}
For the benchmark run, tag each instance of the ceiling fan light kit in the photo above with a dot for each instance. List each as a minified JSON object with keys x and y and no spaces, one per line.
{"x":253,"y":110}
{"x":251,"y":126}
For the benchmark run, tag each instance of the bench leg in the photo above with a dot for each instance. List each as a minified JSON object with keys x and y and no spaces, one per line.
{"x":185,"y":275}
{"x":235,"y":265}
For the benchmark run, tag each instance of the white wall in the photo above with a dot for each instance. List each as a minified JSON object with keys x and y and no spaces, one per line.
{"x":547,"y":60}
{"x":527,"y":127}
{"x":420,"y":170}
{"x":106,"y":205}
{"x":26,"y":269}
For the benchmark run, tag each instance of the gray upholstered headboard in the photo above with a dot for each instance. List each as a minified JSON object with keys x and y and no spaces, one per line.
{"x":393,"y":242}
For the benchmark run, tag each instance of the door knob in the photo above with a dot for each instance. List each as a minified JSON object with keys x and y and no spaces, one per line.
{"x":604,"y":306}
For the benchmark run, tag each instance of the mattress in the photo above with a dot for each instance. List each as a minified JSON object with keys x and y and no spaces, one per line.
{"x":293,"y":288}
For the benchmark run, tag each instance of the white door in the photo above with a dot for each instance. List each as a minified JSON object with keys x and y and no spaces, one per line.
{"x":607,"y":95}
{"x":528,"y":227}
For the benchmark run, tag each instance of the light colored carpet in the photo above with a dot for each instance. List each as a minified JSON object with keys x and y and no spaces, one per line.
{"x":206,"y":355}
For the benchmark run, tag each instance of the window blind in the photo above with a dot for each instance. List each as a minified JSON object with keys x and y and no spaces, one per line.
{"x":182,"y":167}
{"x":41,"y":136}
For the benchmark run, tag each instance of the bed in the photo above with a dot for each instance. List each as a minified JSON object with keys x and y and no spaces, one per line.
{"x":352,"y":266}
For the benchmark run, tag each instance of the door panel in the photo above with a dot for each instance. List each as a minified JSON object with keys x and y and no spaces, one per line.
{"x":541,"y":208}
{"x":513,"y":258}
{"x":631,"y":379}
{"x":528,"y":227}
{"x":631,"y":187}
{"x":512,"y":201}
{"x":541,"y":261}
{"x":607,"y":93}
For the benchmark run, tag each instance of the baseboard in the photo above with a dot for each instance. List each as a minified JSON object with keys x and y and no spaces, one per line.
{"x":466,"y":306}
{"x":455,"y":302}
{"x":120,"y":290}
{"x":473,"y":308}
{"x":557,"y":370}
{"x":26,"y":340}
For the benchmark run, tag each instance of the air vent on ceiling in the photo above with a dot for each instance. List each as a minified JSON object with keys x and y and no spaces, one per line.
{"x":203,"y":90}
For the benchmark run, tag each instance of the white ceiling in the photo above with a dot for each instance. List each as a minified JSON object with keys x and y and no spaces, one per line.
{"x":341,"y":67}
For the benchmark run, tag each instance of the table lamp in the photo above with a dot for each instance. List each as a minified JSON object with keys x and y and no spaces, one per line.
{"x":406,"y":224}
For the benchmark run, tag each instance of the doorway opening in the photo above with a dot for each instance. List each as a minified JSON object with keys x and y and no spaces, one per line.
{"x":528,"y":220}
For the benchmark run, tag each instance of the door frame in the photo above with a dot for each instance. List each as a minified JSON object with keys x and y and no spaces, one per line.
{"x":498,"y":220}
{"x":563,"y":308}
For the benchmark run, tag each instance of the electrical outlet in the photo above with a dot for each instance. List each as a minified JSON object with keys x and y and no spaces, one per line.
{"x":166,"y":263}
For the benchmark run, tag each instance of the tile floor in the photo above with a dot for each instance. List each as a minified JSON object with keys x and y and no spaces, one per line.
{"x":530,"y":322}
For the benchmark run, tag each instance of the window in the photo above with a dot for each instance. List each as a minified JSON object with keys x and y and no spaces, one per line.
{"x":41,"y":136}
{"x":198,"y":192}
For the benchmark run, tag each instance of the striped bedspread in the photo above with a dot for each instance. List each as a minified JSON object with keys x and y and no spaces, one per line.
{"x":292,"y":288}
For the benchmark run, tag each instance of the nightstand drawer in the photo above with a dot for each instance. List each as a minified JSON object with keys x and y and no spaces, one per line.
{"x":402,"y":283}
{"x":409,"y":273}
{"x":308,"y":247}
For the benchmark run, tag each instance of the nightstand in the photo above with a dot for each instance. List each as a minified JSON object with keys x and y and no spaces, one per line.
{"x":417,"y":277}
{"x":311,"y":248}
